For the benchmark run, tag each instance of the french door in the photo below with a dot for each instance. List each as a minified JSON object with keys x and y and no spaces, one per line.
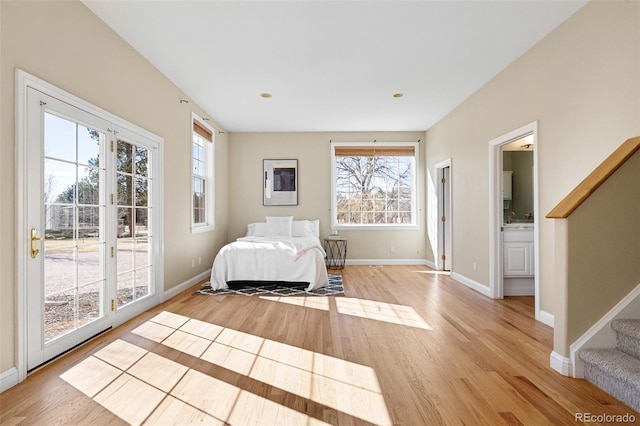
{"x":90,"y":257}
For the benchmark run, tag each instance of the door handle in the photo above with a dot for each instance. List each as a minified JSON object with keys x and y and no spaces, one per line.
{"x":34,"y":243}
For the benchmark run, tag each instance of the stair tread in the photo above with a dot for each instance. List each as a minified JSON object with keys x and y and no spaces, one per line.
{"x":630,"y":327}
{"x":615,"y":363}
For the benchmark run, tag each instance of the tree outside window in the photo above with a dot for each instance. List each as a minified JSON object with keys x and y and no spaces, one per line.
{"x":375,"y":185}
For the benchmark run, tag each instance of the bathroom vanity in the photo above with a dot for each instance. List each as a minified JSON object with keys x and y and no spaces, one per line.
{"x":518,"y":259}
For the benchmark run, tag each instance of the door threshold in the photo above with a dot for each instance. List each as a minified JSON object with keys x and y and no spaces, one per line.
{"x":44,"y":364}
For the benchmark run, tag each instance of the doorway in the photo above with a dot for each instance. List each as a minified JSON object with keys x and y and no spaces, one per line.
{"x":444,"y":256}
{"x":498,"y":212}
{"x":89,"y":240}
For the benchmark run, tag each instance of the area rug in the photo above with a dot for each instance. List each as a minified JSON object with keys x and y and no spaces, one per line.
{"x":276,"y":289}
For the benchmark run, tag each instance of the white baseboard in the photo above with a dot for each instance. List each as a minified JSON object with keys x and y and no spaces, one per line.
{"x":546,"y":318}
{"x":519,"y":292}
{"x":560,"y":364}
{"x":519,"y":286}
{"x":601,"y":335}
{"x":431,"y":264}
{"x":8,"y":379}
{"x":174,"y":291}
{"x":387,"y":262}
{"x":480,"y":288}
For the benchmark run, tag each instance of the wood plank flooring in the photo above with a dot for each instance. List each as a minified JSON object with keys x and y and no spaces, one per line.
{"x":405,"y":346}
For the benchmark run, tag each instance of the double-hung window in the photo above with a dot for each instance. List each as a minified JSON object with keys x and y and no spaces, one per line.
{"x":374,"y":185}
{"x":202,"y":178}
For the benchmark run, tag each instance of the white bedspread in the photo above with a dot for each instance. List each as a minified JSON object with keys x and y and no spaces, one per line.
{"x":296,"y":259}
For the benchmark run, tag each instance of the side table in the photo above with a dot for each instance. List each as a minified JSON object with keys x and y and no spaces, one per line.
{"x":336,"y":249}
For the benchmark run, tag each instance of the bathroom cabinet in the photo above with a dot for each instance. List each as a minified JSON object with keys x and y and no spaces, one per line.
{"x":518,"y":251}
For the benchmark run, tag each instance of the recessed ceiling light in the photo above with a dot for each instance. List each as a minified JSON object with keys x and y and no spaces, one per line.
{"x":398,"y":95}
{"x":265,"y":95}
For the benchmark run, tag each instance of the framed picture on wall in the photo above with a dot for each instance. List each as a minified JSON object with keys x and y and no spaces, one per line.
{"x":280,"y":183}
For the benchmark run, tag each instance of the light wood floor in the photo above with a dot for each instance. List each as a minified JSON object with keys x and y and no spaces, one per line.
{"x":404,"y":346}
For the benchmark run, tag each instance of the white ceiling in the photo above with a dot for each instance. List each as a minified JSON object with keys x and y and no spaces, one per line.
{"x":331,"y":65}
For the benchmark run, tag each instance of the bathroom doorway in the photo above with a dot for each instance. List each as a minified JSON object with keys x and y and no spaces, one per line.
{"x":512,"y":255}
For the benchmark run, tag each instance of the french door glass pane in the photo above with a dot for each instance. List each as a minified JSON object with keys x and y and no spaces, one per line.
{"x":74,"y":244}
{"x":134,"y":231}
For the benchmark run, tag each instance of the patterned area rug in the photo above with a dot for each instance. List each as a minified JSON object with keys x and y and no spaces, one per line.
{"x":276,"y":289}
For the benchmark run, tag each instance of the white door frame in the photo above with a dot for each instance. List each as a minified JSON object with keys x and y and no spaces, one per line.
{"x":496,"y":279}
{"x":446,"y":207}
{"x":25,"y":80}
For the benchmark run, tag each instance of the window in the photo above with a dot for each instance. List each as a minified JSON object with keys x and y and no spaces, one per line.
{"x":202,"y":182}
{"x":373,"y":185}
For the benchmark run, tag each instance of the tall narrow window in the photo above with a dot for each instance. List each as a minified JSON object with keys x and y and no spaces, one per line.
{"x":374,"y":185}
{"x":202,"y":180}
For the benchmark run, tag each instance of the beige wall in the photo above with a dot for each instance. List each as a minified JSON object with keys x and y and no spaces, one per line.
{"x":603,"y":260}
{"x":582,"y":84}
{"x":66,"y":45}
{"x":246,"y":152}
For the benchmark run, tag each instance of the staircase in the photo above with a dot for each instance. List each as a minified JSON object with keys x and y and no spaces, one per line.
{"x":617,"y":370}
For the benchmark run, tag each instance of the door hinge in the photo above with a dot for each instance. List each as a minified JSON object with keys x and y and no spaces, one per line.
{"x":111,"y":146}
{"x":113,"y":253}
{"x":111,"y":199}
{"x":444,"y":257}
{"x":443,"y":180}
{"x":113,"y":305}
{"x":444,"y":218}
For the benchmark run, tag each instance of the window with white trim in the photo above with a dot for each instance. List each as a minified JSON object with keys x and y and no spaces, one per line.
{"x":202,"y":178}
{"x":374,"y":185}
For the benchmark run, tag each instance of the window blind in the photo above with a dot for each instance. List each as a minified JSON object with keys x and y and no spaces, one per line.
{"x":373,"y":151}
{"x":199,"y":129}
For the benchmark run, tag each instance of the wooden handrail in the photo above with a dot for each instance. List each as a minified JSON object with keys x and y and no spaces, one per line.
{"x":595,"y":179}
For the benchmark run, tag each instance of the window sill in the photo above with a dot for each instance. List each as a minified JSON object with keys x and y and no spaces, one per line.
{"x":376,"y":227}
{"x":199,"y":229}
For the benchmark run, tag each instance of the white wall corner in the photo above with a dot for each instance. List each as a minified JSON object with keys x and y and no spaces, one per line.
{"x":174,"y":291}
{"x":431,"y":264}
{"x":8,"y":379}
{"x":546,"y":318}
{"x":474,"y":285}
{"x":560,"y":364}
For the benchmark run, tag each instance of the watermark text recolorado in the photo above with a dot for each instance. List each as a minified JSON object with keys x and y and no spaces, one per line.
{"x":604,"y":418}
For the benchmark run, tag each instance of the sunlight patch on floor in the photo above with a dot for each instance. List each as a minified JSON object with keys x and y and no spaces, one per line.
{"x":434,"y":272}
{"x":381,"y":311}
{"x":315,"y":302}
{"x":142,"y":387}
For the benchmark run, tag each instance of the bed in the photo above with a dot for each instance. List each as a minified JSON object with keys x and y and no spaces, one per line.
{"x":278,"y":250}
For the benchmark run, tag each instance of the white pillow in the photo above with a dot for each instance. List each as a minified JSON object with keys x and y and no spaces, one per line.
{"x":279,"y":226}
{"x":314,"y":226}
{"x":258,"y":229}
{"x":301,"y":228}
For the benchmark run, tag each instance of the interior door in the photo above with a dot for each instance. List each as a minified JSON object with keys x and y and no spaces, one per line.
{"x":68,"y":232}
{"x":445,"y":222}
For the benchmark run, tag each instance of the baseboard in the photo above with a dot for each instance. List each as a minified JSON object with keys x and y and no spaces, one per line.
{"x":519,"y":292}
{"x":480,"y":288}
{"x":560,"y":364}
{"x":174,"y":291}
{"x":431,"y":264}
{"x":601,"y":335}
{"x":388,"y":262}
{"x":518,"y":286}
{"x":8,"y":379}
{"x":546,"y":318}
